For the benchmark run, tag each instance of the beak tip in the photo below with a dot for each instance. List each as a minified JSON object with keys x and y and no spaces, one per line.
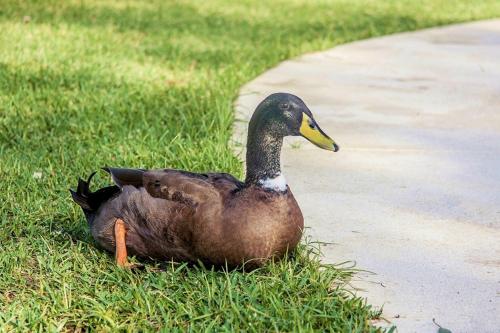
{"x":335,"y":147}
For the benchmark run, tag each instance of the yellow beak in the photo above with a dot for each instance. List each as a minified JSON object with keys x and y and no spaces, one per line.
{"x":310,"y":130}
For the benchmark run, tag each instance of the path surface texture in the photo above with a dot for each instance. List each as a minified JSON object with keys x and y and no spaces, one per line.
{"x":413,"y":195}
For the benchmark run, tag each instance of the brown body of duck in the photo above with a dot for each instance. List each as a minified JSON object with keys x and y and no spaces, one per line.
{"x":212,"y":217}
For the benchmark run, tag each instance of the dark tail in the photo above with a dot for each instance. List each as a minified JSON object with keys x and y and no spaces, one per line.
{"x":91,"y":201}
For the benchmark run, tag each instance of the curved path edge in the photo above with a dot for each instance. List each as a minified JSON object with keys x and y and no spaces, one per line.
{"x":414,"y":193}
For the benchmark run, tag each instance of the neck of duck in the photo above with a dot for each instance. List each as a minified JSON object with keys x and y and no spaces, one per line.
{"x":263,"y":159}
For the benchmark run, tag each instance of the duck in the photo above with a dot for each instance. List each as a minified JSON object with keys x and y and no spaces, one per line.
{"x":212,"y":218}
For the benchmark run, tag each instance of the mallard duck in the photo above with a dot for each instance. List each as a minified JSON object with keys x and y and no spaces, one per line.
{"x":209,"y":217}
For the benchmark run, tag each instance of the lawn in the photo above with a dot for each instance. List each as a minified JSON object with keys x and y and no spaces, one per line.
{"x":84,"y":84}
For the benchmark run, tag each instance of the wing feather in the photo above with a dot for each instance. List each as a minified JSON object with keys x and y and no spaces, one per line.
{"x":122,"y":177}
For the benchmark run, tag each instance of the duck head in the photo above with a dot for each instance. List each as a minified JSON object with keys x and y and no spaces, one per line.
{"x":277,"y":116}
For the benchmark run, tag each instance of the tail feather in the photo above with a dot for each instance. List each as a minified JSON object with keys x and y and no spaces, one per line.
{"x":91,"y":201}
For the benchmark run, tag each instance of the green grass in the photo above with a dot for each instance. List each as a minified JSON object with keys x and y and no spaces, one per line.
{"x":85,"y":84}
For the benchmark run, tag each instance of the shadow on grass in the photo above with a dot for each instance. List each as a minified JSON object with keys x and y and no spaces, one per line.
{"x":202,"y":37}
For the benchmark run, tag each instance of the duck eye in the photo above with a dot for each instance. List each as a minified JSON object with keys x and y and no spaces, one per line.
{"x":284,"y":106}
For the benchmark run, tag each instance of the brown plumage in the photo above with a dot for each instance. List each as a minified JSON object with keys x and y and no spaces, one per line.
{"x":213,"y":217}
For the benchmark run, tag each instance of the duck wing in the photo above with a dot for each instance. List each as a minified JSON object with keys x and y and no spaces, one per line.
{"x":122,"y":176}
{"x":186,"y":187}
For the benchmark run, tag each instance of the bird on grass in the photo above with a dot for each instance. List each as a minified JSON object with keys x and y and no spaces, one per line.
{"x":213,"y":218}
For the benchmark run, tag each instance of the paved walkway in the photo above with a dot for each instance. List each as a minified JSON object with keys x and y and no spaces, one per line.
{"x":414,"y":193}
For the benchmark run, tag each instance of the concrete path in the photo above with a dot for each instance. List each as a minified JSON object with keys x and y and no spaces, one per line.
{"x":414,"y":193}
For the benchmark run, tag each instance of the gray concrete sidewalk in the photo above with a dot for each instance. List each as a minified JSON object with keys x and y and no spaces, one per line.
{"x":414,"y":193}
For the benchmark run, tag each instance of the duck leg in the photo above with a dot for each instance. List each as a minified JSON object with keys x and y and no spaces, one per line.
{"x":121,"y":247}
